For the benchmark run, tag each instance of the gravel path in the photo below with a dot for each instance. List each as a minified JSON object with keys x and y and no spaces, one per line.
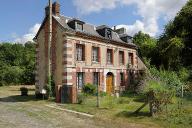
{"x":15,"y":114}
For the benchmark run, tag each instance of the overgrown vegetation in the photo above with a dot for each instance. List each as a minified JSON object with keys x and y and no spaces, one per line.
{"x":168,"y":58}
{"x":89,"y":89}
{"x":50,"y":88}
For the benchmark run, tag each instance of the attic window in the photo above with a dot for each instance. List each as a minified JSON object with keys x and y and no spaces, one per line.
{"x":76,"y":24}
{"x":108,"y":33}
{"x":105,"y":31}
{"x":79,"y":26}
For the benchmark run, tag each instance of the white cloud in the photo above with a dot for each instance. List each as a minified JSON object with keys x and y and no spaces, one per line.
{"x":132,"y":29}
{"x":88,"y":6}
{"x":149,"y":10}
{"x":28,"y":36}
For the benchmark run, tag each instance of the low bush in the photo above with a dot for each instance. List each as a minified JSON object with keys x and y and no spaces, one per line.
{"x":158,"y":95}
{"x":102,"y":94}
{"x":24,"y":91}
{"x":169,"y":78}
{"x":89,"y":89}
{"x":81,"y":98}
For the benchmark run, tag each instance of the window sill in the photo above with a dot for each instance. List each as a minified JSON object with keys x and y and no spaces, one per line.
{"x":80,"y":61}
{"x":95,"y":62}
{"x":110,"y":64}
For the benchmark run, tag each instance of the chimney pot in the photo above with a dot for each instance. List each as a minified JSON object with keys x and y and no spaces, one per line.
{"x":114,"y":28}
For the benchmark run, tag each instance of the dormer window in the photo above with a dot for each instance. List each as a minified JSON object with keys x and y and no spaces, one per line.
{"x":108,"y":33}
{"x":76,"y":24}
{"x":105,"y":31}
{"x":79,"y":26}
{"x":126,"y":38}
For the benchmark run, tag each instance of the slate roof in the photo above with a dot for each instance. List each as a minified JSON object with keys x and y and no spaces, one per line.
{"x":88,"y":29}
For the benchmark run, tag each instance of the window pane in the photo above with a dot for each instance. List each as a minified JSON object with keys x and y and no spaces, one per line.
{"x":79,"y":26}
{"x":109,"y":56}
{"x":121,"y":57}
{"x":79,"y":52}
{"x":80,"y":80}
{"x":131,"y":58}
{"x":95,"y":52}
{"x":121,"y":79}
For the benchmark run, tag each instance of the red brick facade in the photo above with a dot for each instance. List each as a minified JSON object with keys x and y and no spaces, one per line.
{"x":66,"y":67}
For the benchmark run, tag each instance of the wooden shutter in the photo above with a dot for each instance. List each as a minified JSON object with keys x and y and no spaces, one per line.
{"x":99,"y":54}
{"x":112,"y":57}
{"x":83,"y":52}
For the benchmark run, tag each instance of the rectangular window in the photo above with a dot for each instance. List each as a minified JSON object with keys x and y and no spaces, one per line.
{"x":95,"y":54}
{"x":108,"y":33}
{"x":80,"y":80}
{"x":109,"y":56}
{"x":121,"y":79}
{"x":131,"y":58}
{"x":79,"y":27}
{"x":121,"y":57}
{"x":96,"y":78}
{"x":80,"y":51}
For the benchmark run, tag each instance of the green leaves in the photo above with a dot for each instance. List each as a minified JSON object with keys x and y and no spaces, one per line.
{"x":17,"y":63}
{"x":145,"y":43}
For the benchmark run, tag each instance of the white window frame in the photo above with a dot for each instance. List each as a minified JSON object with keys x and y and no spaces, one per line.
{"x":80,"y":80}
{"x":95,"y":54}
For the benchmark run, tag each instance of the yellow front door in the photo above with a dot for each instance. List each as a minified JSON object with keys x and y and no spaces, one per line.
{"x":109,"y":84}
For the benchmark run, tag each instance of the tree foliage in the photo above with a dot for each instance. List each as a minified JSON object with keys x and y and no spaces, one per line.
{"x":145,"y":43}
{"x":17,"y":63}
{"x":175,"y":43}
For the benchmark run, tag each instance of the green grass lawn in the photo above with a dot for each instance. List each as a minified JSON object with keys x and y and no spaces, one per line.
{"x":118,"y":110}
{"x":121,"y":109}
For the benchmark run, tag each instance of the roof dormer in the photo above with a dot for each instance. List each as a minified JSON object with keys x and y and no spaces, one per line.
{"x":126,"y":38}
{"x":76,"y":24}
{"x":105,"y":31}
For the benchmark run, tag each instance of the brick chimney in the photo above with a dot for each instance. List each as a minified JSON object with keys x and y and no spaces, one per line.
{"x":55,"y":9}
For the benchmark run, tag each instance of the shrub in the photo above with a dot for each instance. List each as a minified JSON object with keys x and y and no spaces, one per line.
{"x":89,"y":89}
{"x":48,"y":91}
{"x":24,"y":91}
{"x":50,"y":88}
{"x":184,"y":74}
{"x":81,"y":98}
{"x":158,"y":95}
{"x":102,"y":94}
{"x":169,"y":78}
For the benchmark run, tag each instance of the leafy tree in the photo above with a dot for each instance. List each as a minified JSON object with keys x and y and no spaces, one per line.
{"x":17,"y":63}
{"x":177,"y":37}
{"x":170,"y":52}
{"x":145,"y":43}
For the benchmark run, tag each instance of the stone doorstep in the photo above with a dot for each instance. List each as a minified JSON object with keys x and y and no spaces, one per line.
{"x":55,"y":106}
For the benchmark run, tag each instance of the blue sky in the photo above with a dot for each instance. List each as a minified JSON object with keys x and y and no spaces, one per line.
{"x":20,"y":19}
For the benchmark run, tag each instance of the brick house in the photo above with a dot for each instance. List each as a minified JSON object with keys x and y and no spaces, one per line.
{"x":83,"y":53}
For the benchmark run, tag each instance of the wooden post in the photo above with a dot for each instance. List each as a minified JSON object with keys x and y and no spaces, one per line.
{"x":98,"y":100}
